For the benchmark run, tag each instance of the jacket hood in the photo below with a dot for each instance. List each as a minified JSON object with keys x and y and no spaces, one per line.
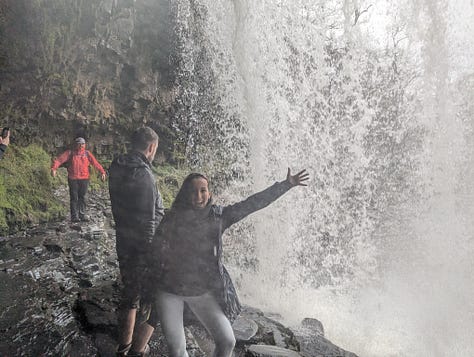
{"x":133,"y":159}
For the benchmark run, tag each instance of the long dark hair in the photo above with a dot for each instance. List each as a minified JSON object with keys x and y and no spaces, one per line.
{"x":182,"y":200}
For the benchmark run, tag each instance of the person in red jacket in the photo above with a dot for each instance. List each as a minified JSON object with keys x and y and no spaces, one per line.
{"x":78,"y":161}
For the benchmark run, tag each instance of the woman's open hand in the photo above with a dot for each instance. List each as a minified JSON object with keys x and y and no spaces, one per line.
{"x":299,"y":179}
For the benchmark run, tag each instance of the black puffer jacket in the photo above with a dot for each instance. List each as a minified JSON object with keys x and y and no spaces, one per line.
{"x":137,"y":206}
{"x":188,"y":249}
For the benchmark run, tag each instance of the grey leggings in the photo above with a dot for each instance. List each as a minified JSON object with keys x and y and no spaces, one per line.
{"x":207,"y":310}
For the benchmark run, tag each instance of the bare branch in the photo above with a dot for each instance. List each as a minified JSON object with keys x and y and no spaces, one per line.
{"x":358,"y":13}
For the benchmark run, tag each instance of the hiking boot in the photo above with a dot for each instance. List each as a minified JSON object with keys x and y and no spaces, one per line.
{"x":84,"y":218}
{"x":122,"y":350}
{"x":75,"y":219}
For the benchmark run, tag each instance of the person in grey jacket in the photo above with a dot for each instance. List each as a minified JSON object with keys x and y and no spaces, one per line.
{"x":188,"y":265}
{"x":137,"y":208}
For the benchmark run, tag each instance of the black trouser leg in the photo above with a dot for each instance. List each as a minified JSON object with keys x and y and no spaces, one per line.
{"x":83,"y":185}
{"x":74,"y":198}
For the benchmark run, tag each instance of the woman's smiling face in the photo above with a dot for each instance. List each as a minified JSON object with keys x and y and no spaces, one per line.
{"x":199,"y":193}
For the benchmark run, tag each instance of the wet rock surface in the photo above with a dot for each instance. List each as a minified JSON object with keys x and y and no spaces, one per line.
{"x":270,"y":351}
{"x":60,"y":289}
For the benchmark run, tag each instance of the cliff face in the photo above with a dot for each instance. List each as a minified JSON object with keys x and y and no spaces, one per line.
{"x":92,"y":68}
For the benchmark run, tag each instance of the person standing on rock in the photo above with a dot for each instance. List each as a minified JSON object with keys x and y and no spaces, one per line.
{"x":188,"y":264}
{"x":77,"y":162}
{"x":137,"y":209}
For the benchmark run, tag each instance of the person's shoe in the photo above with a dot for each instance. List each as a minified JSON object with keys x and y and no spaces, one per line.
{"x":122,"y":350}
{"x":146,"y":352}
{"x":75,"y":219}
{"x":84,"y":218}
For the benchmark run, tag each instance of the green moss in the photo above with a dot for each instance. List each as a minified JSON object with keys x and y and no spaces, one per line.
{"x":26,"y":189}
{"x":169,"y":179}
{"x":95,"y":182}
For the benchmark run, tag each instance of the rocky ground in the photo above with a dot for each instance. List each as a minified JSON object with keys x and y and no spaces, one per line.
{"x":59,"y":293}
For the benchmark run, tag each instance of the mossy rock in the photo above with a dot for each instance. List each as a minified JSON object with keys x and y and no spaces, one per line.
{"x":169,"y":180}
{"x":26,"y":189}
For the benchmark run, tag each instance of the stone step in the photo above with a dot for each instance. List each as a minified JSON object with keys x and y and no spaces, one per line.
{"x":244,"y":329}
{"x":270,"y":351}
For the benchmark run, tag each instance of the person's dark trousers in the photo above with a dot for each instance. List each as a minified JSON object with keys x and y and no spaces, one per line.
{"x":77,"y":195}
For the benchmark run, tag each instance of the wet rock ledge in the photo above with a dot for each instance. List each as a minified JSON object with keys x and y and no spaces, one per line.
{"x":59,"y":291}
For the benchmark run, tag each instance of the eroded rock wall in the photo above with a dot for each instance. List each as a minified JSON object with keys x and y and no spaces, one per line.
{"x":90,"y":68}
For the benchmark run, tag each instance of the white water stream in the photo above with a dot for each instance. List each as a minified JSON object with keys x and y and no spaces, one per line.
{"x":377,"y":106}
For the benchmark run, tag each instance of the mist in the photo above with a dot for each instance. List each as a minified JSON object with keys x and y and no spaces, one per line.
{"x":374,"y":99}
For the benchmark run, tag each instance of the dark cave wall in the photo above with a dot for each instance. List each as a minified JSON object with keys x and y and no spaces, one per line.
{"x":97,"y":69}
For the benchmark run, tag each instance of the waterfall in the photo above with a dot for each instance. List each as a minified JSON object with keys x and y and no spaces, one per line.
{"x":375,"y":101}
